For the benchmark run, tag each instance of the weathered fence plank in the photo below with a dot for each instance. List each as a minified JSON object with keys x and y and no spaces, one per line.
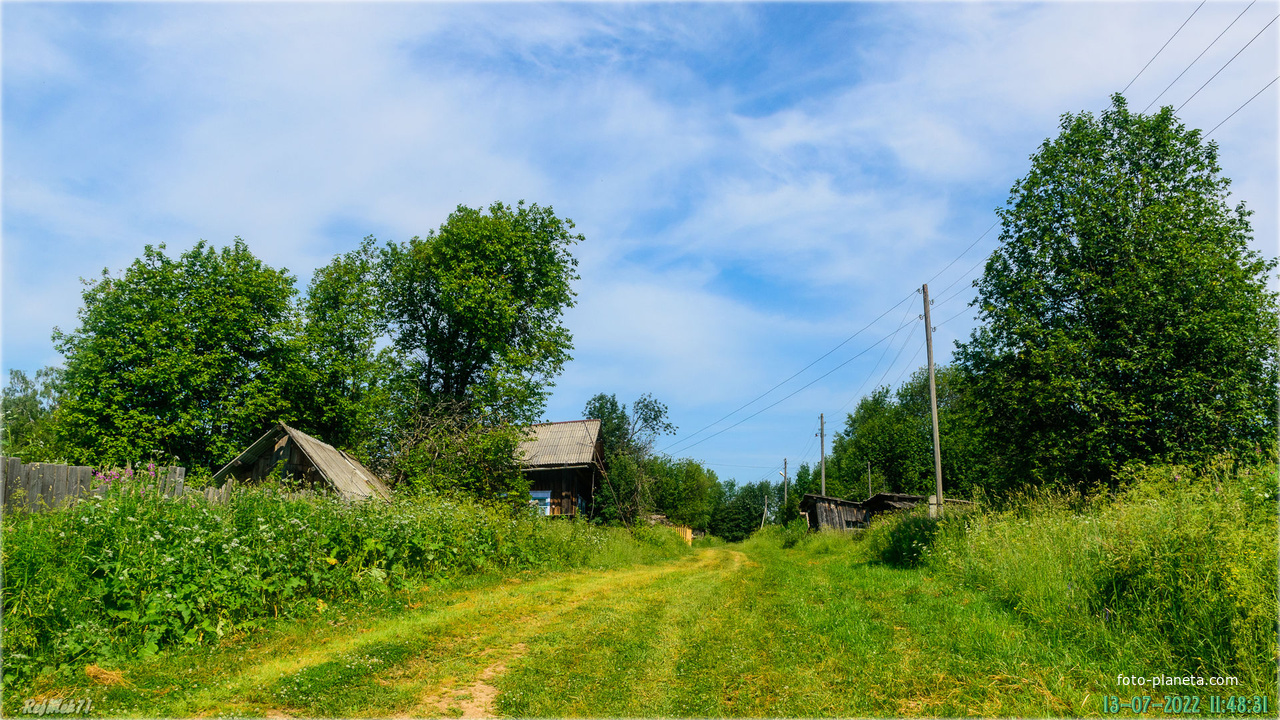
{"x":42,"y":486}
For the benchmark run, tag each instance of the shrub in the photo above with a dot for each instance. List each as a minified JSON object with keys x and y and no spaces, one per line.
{"x":901,"y":539}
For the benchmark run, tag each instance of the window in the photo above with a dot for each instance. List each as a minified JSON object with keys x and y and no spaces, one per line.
{"x":542,"y":499}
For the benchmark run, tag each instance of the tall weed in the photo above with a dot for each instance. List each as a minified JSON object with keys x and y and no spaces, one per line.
{"x":132,"y":572}
{"x":1179,"y":562}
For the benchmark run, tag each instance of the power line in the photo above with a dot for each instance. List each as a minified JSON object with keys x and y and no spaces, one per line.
{"x":910,"y":362}
{"x":1202,"y":52}
{"x":1246,"y":102}
{"x":791,"y":395}
{"x":750,"y":467}
{"x":784,"y":382}
{"x":1162,"y":47}
{"x":901,"y":324}
{"x":963,"y":253}
{"x":1224,"y":67}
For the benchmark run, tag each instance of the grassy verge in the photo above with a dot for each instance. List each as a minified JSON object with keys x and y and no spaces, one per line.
{"x":131,"y":574}
{"x":1175,"y":575}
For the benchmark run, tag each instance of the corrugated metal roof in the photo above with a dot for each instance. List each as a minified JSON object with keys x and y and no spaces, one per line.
{"x":344,"y":473}
{"x":560,"y":444}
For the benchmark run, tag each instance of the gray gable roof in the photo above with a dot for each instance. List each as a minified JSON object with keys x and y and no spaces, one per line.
{"x":342,"y":472}
{"x":560,"y":445}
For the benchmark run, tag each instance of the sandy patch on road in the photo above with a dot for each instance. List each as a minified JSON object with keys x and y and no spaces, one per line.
{"x":477,"y":699}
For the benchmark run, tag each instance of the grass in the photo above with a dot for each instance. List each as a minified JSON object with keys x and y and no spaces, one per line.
{"x":133,"y":574}
{"x":749,"y":630}
{"x":1029,"y":611}
{"x":1175,"y":574}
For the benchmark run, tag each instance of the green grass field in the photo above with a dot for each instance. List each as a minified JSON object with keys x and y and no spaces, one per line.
{"x":750,"y":630}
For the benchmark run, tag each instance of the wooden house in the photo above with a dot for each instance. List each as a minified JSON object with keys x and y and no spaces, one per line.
{"x":312,"y":463}
{"x":564,"y":462}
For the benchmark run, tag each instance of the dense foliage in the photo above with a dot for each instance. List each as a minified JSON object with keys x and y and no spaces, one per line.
{"x":27,"y":429}
{"x":1124,"y":317}
{"x":184,"y":359}
{"x":474,"y":310}
{"x":893,"y":434}
{"x":131,"y":573}
{"x":187,"y":360}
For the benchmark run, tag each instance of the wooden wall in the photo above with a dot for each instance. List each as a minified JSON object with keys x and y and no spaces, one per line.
{"x":830,"y":514}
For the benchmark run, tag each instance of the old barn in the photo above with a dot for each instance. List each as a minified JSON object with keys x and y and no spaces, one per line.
{"x":564,"y":463}
{"x":840,"y":514}
{"x":314,"y":464}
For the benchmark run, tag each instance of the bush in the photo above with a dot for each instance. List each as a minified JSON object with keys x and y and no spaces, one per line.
{"x":901,"y":539}
{"x":132,"y":572}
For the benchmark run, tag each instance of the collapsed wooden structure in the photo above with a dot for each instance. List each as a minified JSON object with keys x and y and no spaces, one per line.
{"x":306,"y":460}
{"x":564,"y":462}
{"x":841,"y":514}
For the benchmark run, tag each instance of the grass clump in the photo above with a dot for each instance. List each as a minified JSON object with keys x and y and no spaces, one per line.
{"x":130,"y":573}
{"x":1177,"y":568}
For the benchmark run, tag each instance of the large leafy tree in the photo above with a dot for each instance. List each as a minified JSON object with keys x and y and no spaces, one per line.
{"x":347,"y":399}
{"x":186,"y":358}
{"x":474,"y":309}
{"x":1125,"y":317}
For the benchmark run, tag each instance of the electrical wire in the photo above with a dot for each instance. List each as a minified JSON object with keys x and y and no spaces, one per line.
{"x":789,"y":379}
{"x":1202,"y":52}
{"x":789,"y":396}
{"x":910,"y":362}
{"x":1224,"y":67}
{"x":1162,"y":47}
{"x":901,"y":324}
{"x":963,"y":253}
{"x":1246,"y":102}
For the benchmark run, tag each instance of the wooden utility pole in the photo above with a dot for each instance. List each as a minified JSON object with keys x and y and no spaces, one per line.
{"x":933,"y":401}
{"x":822,"y":448}
{"x":784,"y":481}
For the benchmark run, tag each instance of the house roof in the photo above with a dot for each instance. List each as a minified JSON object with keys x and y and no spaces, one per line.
{"x":344,"y":473}
{"x":560,"y":444}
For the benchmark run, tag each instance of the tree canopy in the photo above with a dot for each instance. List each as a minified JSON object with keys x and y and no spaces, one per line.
{"x":474,"y":309}
{"x":181,"y":358}
{"x":1124,"y":316}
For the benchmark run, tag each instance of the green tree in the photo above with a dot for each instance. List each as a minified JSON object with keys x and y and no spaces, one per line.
{"x":684,"y":490}
{"x":741,"y":510}
{"x":1124,"y":316}
{"x":347,"y":397}
{"x":27,"y":410}
{"x":627,"y":436}
{"x":186,"y":358}
{"x":475,"y":308}
{"x":633,"y":431}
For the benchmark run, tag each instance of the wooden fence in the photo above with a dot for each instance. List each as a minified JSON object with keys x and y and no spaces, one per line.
{"x":43,"y":486}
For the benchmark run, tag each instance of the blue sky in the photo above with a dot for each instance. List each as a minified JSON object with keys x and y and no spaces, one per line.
{"x":755,"y":182}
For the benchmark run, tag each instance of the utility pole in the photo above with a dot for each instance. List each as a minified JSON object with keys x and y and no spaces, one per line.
{"x":869,"y":475}
{"x":822,"y":448}
{"x":784,"y":482}
{"x":933,"y":401}
{"x":766,"y":508}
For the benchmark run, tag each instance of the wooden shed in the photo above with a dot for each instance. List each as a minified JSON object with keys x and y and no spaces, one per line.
{"x":315,"y":464}
{"x":564,"y":464}
{"x":848,"y":514}
{"x":830,"y":512}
